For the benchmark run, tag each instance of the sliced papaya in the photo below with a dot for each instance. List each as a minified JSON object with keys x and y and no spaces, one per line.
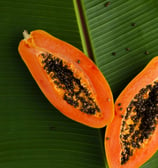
{"x":68,"y":78}
{"x":132,"y":137}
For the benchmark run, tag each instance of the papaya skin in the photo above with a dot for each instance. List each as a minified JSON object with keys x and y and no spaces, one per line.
{"x":39,"y":41}
{"x":112,"y":144}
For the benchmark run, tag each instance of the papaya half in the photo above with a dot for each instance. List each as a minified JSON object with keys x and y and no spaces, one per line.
{"x":132,"y":137}
{"x":68,"y":78}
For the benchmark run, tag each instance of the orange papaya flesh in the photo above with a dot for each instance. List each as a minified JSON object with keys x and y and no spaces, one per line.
{"x":68,"y":79}
{"x":132,"y":137}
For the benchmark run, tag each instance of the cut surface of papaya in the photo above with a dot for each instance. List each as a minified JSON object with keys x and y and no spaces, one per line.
{"x":132,"y":137}
{"x":68,"y":78}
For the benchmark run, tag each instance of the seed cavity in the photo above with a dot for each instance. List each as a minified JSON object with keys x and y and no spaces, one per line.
{"x":74,"y":91}
{"x":140,"y":121}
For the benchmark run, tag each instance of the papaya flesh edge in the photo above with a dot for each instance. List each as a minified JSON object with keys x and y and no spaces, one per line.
{"x":127,"y":146}
{"x":68,"y":79}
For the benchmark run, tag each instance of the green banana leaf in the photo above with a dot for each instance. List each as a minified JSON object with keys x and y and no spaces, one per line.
{"x":32,"y":132}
